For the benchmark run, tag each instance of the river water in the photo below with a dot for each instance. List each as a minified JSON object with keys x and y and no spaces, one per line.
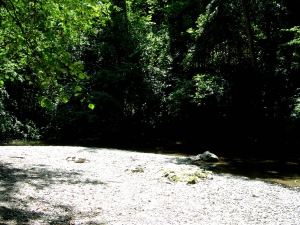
{"x":285,"y":171}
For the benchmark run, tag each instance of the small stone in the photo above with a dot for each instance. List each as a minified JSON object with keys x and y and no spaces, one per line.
{"x":138,"y":169}
{"x":79,"y":160}
{"x":70,"y":158}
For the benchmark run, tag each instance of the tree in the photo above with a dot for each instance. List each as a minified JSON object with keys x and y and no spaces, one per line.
{"x":249,"y":34}
{"x":40,"y":42}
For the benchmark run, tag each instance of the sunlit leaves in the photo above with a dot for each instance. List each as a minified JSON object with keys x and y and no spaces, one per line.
{"x":42,"y":35}
{"x":81,"y":76}
{"x":77,"y":89}
{"x":46,"y":102}
{"x":91,"y":106}
{"x":296,"y":31}
{"x":207,"y":85}
{"x":204,"y":19}
{"x":65,"y":100}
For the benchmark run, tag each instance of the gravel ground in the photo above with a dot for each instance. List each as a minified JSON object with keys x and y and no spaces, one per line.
{"x":39,"y":186}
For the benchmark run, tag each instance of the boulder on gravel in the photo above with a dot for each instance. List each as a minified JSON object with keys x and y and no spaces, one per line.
{"x":185,"y":173}
{"x":206,"y":157}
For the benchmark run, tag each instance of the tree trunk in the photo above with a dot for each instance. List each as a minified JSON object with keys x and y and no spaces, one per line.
{"x":249,"y":34}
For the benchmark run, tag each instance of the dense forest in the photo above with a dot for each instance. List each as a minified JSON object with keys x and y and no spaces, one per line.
{"x":208,"y":73}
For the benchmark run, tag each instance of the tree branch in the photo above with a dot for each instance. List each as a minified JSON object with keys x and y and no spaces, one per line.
{"x":16,"y":20}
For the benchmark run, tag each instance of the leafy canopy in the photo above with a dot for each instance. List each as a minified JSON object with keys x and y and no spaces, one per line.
{"x":40,"y":42}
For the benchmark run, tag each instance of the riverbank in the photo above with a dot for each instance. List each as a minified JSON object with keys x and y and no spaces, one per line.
{"x":38,"y":185}
{"x":282,"y":169}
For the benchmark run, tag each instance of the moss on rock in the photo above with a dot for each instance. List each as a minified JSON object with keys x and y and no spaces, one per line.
{"x":185,"y":173}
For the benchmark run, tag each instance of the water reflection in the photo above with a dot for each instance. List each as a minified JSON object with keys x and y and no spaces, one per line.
{"x":285,"y":171}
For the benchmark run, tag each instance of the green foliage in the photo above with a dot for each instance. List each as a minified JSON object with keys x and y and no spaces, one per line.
{"x":209,"y":85}
{"x":296,"y":31}
{"x":182,"y":95}
{"x":91,"y":106}
{"x":11,"y":128}
{"x":6,"y":120}
{"x":42,"y":36}
{"x":295,"y":44}
{"x":204,"y":19}
{"x":127,"y":70}
{"x":26,"y":131}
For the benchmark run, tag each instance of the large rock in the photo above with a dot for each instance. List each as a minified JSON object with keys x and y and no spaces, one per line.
{"x":189,"y":174}
{"x":206,"y":157}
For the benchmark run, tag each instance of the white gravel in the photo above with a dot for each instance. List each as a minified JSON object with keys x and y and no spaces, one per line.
{"x":39,"y":186}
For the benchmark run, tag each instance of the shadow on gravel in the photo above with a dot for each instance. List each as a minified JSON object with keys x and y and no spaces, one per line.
{"x":180,"y":160}
{"x":16,"y":215}
{"x":15,"y":210}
